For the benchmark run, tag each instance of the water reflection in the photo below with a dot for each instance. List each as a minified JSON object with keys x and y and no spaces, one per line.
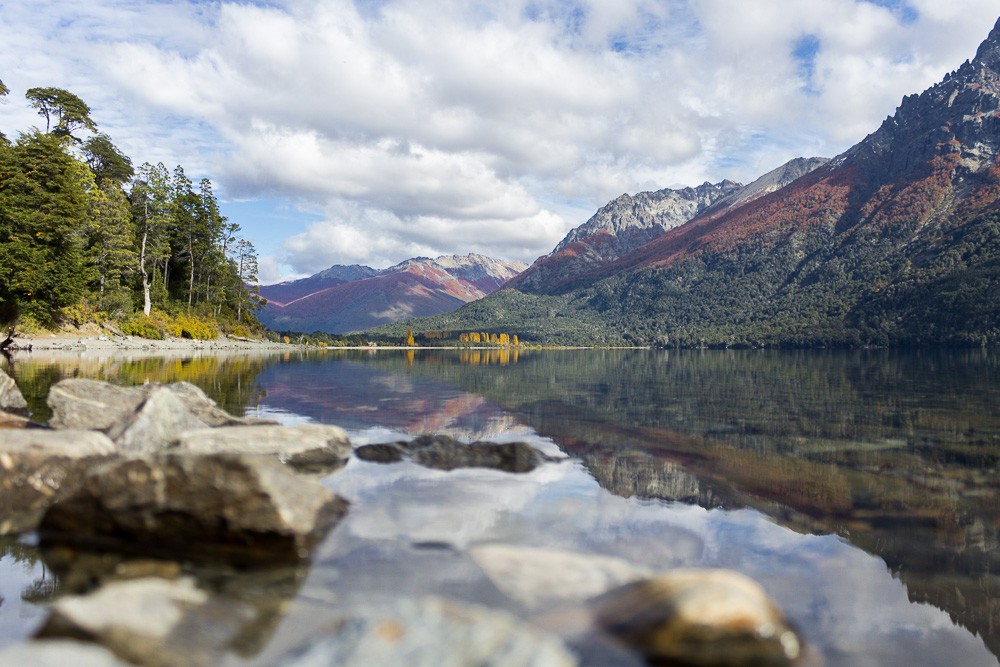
{"x":860,"y":487}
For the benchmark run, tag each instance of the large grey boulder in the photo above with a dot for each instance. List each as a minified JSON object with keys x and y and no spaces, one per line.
{"x":99,"y":406}
{"x":11,"y":399}
{"x":709,"y":618}
{"x":442,"y":452}
{"x":39,"y":467}
{"x":429,"y":632}
{"x":243,"y":510}
{"x":307,"y":448}
{"x":151,"y":621}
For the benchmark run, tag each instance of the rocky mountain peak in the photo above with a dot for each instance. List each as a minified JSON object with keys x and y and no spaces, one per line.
{"x":989,"y":51}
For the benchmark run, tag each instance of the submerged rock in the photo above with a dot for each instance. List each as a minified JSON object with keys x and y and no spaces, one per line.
{"x":538,"y":577}
{"x":39,"y":467}
{"x":242,"y":510}
{"x":308,"y":448}
{"x":59,"y":653}
{"x":430,"y":631}
{"x":11,"y":399}
{"x":151,"y":621}
{"x":443,"y":452}
{"x":715,"y":618}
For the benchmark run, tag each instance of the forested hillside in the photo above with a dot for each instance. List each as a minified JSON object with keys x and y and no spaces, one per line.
{"x":85,"y":236}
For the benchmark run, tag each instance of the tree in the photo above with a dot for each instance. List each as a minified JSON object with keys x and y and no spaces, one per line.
{"x":410,"y":341}
{"x":248,"y":297}
{"x":69,"y":111}
{"x":111,"y":244}
{"x":106,"y":161}
{"x":43,"y":214}
{"x":150,"y":198}
{"x":4,"y":90}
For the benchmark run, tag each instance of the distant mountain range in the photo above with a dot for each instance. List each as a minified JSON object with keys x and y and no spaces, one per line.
{"x":895,"y":241}
{"x":343,"y":299}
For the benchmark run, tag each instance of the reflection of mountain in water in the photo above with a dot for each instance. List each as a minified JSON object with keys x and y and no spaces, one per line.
{"x":338,"y":389}
{"x":897,"y":452}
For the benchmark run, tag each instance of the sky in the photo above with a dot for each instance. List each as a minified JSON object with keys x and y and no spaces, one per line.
{"x":373,"y":131}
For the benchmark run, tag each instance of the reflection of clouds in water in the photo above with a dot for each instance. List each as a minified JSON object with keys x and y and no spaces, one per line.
{"x":845,"y":600}
{"x":283,"y":417}
{"x":18,"y":618}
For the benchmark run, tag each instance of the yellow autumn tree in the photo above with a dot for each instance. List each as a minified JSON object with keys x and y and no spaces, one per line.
{"x":410,"y":341}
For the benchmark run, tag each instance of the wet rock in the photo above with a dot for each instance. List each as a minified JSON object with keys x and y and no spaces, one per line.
{"x":59,"y":653}
{"x":151,"y":621}
{"x":389,"y":452}
{"x":716,"y":618}
{"x":242,"y":510}
{"x":443,"y":452}
{"x":100,"y":406}
{"x":538,"y":577}
{"x":8,"y":420}
{"x":430,"y":631}
{"x":39,"y":467}
{"x":11,"y":399}
{"x":308,"y":448}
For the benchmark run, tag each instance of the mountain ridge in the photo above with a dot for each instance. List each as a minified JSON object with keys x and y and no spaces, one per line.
{"x":342,"y":299}
{"x":895,"y":241}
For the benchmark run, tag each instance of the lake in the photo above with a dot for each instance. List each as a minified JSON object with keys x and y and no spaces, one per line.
{"x":859,"y":487}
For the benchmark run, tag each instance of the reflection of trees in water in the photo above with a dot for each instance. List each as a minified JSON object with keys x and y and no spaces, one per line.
{"x":229,"y":380}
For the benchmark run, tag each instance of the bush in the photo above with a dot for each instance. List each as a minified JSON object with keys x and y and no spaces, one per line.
{"x":143,"y":327}
{"x":191,"y":326}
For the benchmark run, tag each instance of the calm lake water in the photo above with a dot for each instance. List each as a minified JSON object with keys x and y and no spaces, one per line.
{"x":860,"y":488}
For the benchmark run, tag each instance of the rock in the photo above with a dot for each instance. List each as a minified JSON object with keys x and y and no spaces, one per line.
{"x":11,"y":399}
{"x":226,"y":508}
{"x":40,"y":467}
{"x":538,"y":577}
{"x":8,"y":420}
{"x":308,"y":448}
{"x":431,"y":632}
{"x":442,"y":452}
{"x":99,"y":406}
{"x":156,"y":422}
{"x":715,"y":618}
{"x":151,"y":621}
{"x":389,"y":452}
{"x":59,"y":653}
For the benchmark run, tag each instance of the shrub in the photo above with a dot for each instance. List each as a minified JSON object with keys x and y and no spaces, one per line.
{"x":143,"y":327}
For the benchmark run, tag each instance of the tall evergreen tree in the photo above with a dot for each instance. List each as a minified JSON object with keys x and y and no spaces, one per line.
{"x":43,"y":212}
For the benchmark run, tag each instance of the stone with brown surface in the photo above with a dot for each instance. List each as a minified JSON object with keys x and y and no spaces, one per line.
{"x":703,"y":618}
{"x":39,"y":467}
{"x":225,"y":508}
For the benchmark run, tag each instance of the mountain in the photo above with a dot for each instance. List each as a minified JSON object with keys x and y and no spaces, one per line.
{"x":342,"y":299}
{"x":628,"y":222}
{"x":895,"y":241}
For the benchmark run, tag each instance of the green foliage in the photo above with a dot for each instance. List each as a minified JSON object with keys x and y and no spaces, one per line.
{"x":69,"y":112}
{"x":143,"y":326}
{"x":43,"y":212}
{"x":106,"y":161}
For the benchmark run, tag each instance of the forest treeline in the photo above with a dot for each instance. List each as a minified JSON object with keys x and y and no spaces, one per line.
{"x":85,"y":235}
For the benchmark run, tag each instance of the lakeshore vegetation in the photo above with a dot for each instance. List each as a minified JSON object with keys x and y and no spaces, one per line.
{"x":87,"y":237}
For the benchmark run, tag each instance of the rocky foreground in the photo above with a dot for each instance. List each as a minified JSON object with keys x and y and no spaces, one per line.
{"x":146,"y":500}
